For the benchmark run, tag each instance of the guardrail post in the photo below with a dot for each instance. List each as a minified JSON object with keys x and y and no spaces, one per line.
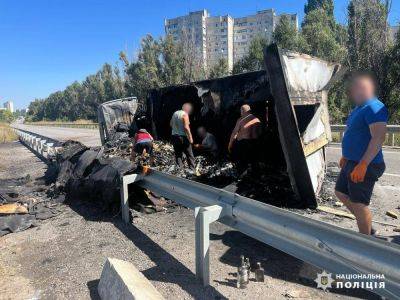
{"x":392,"y":139}
{"x":204,"y":216}
{"x":125,"y":180}
{"x":42,"y":143}
{"x":49,"y":149}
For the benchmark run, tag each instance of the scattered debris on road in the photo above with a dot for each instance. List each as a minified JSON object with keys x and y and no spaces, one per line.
{"x":23,"y":203}
{"x":392,"y":214}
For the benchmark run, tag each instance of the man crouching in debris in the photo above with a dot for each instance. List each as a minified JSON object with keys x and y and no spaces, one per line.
{"x":142,"y":144}
{"x":208,"y":146}
{"x":362,"y":161}
{"x":243,"y":143}
{"x":181,"y":138}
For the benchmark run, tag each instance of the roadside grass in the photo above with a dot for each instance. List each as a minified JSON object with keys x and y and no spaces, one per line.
{"x":86,"y":124}
{"x":6,"y":133}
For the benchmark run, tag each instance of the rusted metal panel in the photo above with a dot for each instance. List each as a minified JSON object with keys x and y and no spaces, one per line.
{"x":299,"y":85}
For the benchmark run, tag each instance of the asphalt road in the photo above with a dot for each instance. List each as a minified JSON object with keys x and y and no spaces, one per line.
{"x":392,"y":159}
{"x":89,"y":137}
{"x":62,"y":257}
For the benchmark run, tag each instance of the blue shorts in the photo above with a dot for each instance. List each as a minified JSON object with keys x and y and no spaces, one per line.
{"x":359,"y":192}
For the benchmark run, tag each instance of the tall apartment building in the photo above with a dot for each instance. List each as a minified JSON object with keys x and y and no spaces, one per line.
{"x":9,"y":105}
{"x":191,"y":31}
{"x":223,"y":36}
{"x":393,"y":31}
{"x":219,"y":36}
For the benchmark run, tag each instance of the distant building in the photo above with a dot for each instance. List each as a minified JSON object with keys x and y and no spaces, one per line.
{"x":224,"y":37}
{"x":9,"y":105}
{"x":219,"y":40}
{"x":393,"y":31}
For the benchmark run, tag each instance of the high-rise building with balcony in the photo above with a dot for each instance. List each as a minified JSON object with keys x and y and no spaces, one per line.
{"x":222,"y":37}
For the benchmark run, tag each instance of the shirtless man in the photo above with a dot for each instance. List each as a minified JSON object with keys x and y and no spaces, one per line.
{"x":243,"y":141}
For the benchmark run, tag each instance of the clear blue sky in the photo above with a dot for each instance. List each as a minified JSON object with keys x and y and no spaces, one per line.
{"x":47,"y":44}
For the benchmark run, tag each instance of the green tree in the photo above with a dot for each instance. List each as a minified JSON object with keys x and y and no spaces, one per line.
{"x":144,"y":74}
{"x":392,"y":80}
{"x":173,"y":63}
{"x":370,"y":49}
{"x":321,"y":37}
{"x":287,"y":36}
{"x":6,"y":116}
{"x":326,"y":5}
{"x":220,"y":69}
{"x":254,"y":60}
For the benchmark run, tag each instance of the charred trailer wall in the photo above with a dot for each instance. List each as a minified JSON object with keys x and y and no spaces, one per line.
{"x":290,"y":99}
{"x":217,"y":107}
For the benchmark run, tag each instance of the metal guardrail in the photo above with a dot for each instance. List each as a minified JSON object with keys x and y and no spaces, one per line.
{"x":65,"y":125}
{"x":42,"y":146}
{"x":332,"y":248}
{"x":392,"y":130}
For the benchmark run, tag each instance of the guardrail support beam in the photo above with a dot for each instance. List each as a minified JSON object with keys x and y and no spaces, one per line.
{"x":204,"y":216}
{"x":125,"y":181}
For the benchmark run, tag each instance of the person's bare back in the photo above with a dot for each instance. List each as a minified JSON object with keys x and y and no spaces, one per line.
{"x":248,"y":128}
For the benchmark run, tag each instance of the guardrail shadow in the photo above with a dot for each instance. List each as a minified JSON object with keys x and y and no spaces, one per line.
{"x":167,"y":269}
{"x":276,"y":263}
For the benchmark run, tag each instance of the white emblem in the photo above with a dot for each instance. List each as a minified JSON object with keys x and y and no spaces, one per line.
{"x":324,"y":280}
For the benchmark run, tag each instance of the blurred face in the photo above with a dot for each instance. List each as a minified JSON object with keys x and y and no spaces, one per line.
{"x":244,"y":110}
{"x":202,"y":132}
{"x":188,"y":108}
{"x":362,"y":90}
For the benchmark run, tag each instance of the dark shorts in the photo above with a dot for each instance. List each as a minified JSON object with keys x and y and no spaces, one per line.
{"x":140,"y":147}
{"x":245,"y":150}
{"x":359,"y":192}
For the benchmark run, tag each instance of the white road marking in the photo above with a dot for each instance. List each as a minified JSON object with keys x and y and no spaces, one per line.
{"x":384,"y":151}
{"x":390,"y":174}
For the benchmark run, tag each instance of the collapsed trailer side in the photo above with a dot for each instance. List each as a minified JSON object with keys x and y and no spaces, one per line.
{"x":300,"y":84}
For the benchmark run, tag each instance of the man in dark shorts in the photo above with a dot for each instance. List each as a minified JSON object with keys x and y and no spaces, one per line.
{"x":362,"y":159}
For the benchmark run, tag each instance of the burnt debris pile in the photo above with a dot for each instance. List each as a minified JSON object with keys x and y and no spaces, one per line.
{"x":94,"y":174}
{"x":90,"y":173}
{"x":23,"y":202}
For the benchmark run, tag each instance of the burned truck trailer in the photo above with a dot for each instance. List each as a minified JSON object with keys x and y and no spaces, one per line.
{"x":290,"y":99}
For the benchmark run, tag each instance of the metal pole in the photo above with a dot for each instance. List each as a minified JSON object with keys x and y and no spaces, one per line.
{"x":204,"y":216}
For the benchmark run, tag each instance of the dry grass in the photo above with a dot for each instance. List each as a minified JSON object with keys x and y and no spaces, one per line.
{"x":6,"y":133}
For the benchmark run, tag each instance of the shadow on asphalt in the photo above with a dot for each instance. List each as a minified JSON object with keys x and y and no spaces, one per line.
{"x":167,"y":269}
{"x":276,"y":264}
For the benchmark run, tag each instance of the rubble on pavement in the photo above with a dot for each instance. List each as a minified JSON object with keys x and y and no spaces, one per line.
{"x":94,"y":174}
{"x":24,"y":203}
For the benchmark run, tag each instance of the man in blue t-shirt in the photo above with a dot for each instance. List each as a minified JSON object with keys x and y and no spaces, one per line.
{"x":362,"y":159}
